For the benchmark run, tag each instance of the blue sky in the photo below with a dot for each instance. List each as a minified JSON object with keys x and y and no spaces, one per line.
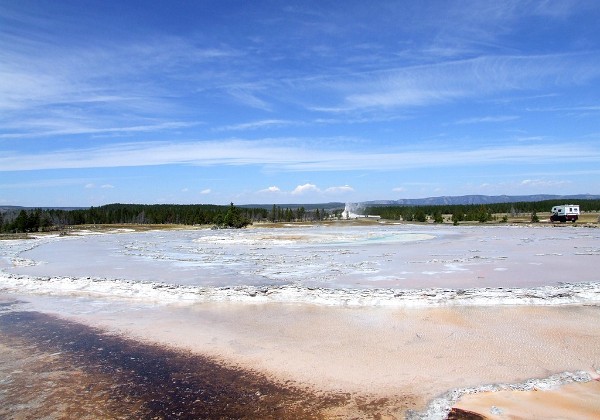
{"x":296,"y":102}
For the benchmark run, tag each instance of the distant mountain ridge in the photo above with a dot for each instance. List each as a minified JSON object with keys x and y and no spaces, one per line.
{"x":480,"y":199}
{"x":4,"y":209}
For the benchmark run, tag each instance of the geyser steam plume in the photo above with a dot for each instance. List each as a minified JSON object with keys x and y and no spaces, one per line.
{"x":353,"y":210}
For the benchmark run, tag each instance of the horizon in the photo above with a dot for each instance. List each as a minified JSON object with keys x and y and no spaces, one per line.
{"x":527,"y":198}
{"x":220,"y":102}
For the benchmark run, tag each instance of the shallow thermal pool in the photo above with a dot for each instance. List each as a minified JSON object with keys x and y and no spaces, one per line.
{"x":341,"y":257}
{"x":358,"y":257}
{"x":323,"y":256}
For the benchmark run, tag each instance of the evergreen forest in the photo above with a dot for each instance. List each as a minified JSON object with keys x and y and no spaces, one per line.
{"x":471,"y":212}
{"x":34,"y":220}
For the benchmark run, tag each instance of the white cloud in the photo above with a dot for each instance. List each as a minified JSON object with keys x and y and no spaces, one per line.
{"x":399,"y":189}
{"x":103,"y":186}
{"x":339,"y":190}
{"x":543,"y":183}
{"x":272,"y":189}
{"x":307,"y":189}
{"x":302,"y":189}
{"x":206,"y":191}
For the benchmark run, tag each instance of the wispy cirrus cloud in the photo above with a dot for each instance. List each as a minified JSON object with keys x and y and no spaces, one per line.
{"x":249,"y":97}
{"x":279,"y":155}
{"x":254,"y":125}
{"x":455,"y":80}
{"x":133,"y":78}
{"x":48,"y":183}
{"x":151,"y":77}
{"x":585,"y":108}
{"x":487,"y":119}
{"x":31,"y":131}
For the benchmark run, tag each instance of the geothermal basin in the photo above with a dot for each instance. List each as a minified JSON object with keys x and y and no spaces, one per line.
{"x":400,"y":320}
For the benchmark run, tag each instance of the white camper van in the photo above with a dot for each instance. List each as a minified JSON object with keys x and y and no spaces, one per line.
{"x":566,"y":212}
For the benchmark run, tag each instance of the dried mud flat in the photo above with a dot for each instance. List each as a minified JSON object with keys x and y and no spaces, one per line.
{"x":55,"y":368}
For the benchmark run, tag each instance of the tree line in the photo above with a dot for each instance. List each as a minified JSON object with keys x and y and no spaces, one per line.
{"x":34,"y":220}
{"x":471,"y":212}
{"x":301,"y":214}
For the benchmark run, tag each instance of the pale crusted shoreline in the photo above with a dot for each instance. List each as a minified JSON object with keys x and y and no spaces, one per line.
{"x":140,"y":291}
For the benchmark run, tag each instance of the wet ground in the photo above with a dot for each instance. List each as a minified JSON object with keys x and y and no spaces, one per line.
{"x":54,"y":368}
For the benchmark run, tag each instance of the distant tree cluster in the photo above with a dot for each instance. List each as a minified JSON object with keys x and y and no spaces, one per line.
{"x":423,"y":213}
{"x":25,"y":221}
{"x":472,"y":212}
{"x":300,"y":214}
{"x":45,"y":219}
{"x":34,"y":220}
